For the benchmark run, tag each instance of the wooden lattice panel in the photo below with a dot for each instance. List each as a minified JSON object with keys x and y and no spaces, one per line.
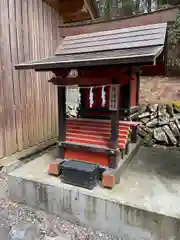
{"x":114,"y":98}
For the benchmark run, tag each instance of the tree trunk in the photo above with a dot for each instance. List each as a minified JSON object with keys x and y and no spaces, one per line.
{"x":127,"y":6}
{"x":107,"y":9}
{"x":137,"y":6}
{"x":149,"y":5}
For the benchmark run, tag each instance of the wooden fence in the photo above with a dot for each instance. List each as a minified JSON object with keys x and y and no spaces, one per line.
{"x":28,"y":112}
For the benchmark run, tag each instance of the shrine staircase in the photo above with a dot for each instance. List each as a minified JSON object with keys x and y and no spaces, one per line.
{"x":94,"y":132}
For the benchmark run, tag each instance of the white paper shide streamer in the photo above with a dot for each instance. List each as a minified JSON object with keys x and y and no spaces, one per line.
{"x":91,"y":97}
{"x":103,"y":96}
{"x":79,"y":97}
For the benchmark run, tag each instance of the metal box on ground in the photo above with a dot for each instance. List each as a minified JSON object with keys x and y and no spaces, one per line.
{"x":80,"y":173}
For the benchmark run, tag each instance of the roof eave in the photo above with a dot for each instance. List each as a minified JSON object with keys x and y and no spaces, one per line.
{"x":141,"y":60}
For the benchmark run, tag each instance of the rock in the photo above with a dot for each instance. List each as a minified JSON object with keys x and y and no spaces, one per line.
{"x":72,"y":113}
{"x":70,"y":107}
{"x":134,"y":116}
{"x":61,"y":237}
{"x":160,"y":135}
{"x":152,"y":107}
{"x":153,"y":123}
{"x":174,"y":129}
{"x":135,"y":109}
{"x":145,"y":120}
{"x":169,"y":133}
{"x":164,"y":119}
{"x":176,"y":117}
{"x":146,"y":129}
{"x":178,"y":124}
{"x":4,"y":235}
{"x":170,"y":109}
{"x":25,"y":231}
{"x":160,"y":123}
{"x":141,"y":132}
{"x":148,"y":140}
{"x":72,"y":110}
{"x":176,"y":108}
{"x":178,"y":142}
{"x":144,"y":115}
{"x":162,"y":110}
{"x":142,"y":109}
{"x":153,"y":115}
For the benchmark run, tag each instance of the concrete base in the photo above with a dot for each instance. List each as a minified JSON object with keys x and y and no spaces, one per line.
{"x":145,"y":205}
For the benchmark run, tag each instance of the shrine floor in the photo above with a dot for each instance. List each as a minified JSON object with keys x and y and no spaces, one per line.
{"x":145,"y":205}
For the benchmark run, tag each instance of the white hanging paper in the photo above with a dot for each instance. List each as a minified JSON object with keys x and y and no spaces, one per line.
{"x":91,"y":96}
{"x":78,"y":99}
{"x":79,"y":96}
{"x":103,"y":96}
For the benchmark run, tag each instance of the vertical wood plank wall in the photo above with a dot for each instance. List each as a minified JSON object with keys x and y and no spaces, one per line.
{"x":28,"y":110}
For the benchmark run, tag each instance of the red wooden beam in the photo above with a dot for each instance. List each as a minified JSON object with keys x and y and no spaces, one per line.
{"x":79,"y":81}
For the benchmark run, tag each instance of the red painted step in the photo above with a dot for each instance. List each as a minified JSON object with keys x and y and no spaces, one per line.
{"x":95,"y":132}
{"x":90,"y":135}
{"x":122,"y":142}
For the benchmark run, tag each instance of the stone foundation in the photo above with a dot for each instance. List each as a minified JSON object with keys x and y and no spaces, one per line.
{"x":145,"y":205}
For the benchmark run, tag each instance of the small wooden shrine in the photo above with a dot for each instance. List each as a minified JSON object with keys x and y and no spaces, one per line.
{"x":107,"y":64}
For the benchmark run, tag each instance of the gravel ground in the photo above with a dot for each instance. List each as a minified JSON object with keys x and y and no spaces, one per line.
{"x":14,"y":216}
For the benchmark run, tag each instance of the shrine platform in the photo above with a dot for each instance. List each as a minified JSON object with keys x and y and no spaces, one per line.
{"x":145,"y":205}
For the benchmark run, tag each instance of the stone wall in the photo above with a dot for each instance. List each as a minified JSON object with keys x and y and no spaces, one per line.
{"x":159,"y":124}
{"x":159,"y":89}
{"x":160,"y":121}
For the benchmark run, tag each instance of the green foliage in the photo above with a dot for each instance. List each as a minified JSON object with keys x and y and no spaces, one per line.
{"x":174,"y":44}
{"x":121,"y":8}
{"x":174,"y":32}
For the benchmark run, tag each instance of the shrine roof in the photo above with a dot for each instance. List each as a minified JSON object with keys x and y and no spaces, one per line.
{"x":135,"y":45}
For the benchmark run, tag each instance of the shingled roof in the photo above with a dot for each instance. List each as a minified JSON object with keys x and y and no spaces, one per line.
{"x":135,"y":45}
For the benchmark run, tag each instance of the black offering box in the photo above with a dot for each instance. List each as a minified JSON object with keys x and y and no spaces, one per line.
{"x":78,"y":173}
